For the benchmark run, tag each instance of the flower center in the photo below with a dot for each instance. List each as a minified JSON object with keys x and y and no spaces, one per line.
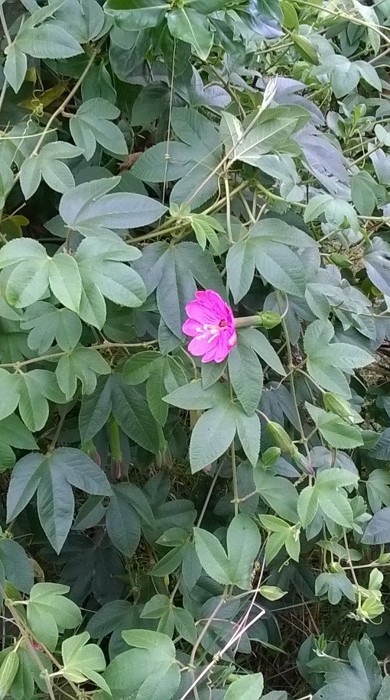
{"x":211,"y":330}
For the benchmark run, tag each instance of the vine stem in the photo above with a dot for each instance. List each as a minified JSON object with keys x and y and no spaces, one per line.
{"x":344,"y":15}
{"x":167,"y":227}
{"x":62,"y":106}
{"x":236,"y":499}
{"x":207,"y":499}
{"x":26,"y":633}
{"x":228,"y":210}
{"x":4,"y":25}
{"x":220,"y":654}
{"x":291,"y":368}
{"x":2,"y":94}
{"x":352,"y":570}
{"x":199,"y":522}
{"x":55,"y":355}
{"x":195,"y":648}
{"x":267,"y":99}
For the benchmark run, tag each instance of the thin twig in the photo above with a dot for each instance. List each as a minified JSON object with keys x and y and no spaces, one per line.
{"x":220,"y":654}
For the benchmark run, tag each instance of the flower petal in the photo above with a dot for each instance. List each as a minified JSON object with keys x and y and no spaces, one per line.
{"x":201,"y":313}
{"x":212,"y":301}
{"x":211,"y":325}
{"x":190,"y":327}
{"x":199,"y":346}
{"x":217,"y":351}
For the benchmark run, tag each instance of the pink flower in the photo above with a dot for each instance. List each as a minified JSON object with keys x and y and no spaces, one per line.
{"x":210,"y":323}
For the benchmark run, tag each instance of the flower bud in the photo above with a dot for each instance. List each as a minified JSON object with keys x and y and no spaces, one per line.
{"x":269,"y":457}
{"x":270,"y":319}
{"x":303,"y":463}
{"x":281,"y":438}
{"x":11,"y":592}
{"x":8,"y":671}
{"x":340,"y":260}
{"x":338,"y":406}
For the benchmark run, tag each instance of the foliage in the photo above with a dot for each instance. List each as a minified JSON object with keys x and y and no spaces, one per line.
{"x":171,"y":528}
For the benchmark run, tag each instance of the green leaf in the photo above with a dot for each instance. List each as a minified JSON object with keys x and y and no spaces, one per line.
{"x":212,"y":435}
{"x":273,"y":129}
{"x":133,"y":415}
{"x":95,"y":410}
{"x":92,"y":124}
{"x":378,"y":529}
{"x":261,"y":345}
{"x":9,"y":393}
{"x":336,"y":507}
{"x":243,"y":543}
{"x":83,"y":364}
{"x":34,"y":388}
{"x":366,"y":193}
{"x":369,"y":73}
{"x":19,"y":249}
{"x":156,"y":607}
{"x":246,"y":375}
{"x":376,"y":264}
{"x":193,"y":397}
{"x":15,"y":66}
{"x":173,"y":272}
{"x":134,"y":15}
{"x":49,"y":165}
{"x":378,"y":490}
{"x":307,"y":505}
{"x":47,"y":41}
{"x":192,"y":27}
{"x":184,"y":623}
{"x":85,"y":21}
{"x":66,"y":467}
{"x":327,"y":361}
{"x":305,"y":48}
{"x":155,"y":393}
{"x":81,"y":661}
{"x":24,"y":482}
{"x":194,"y":161}
{"x":17,"y":565}
{"x":246,"y":688}
{"x":249,"y":433}
{"x":335,"y":585}
{"x":48,"y":612}
{"x":277,"y":492}
{"x":47,"y":324}
{"x":65,"y":281}
{"x":280,"y":266}
{"x":360,"y":678}
{"x":240,"y":265}
{"x":122,"y":522}
{"x":334,"y":429}
{"x":54,"y":476}
{"x":212,"y":556}
{"x":169,"y":562}
{"x":14,"y":432}
{"x":164,"y":161}
{"x":28,"y":282}
{"x":385,"y":689}
{"x":103,"y":273}
{"x":138,"y":367}
{"x":280,"y":231}
{"x":88,"y":208}
{"x":120,"y":284}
